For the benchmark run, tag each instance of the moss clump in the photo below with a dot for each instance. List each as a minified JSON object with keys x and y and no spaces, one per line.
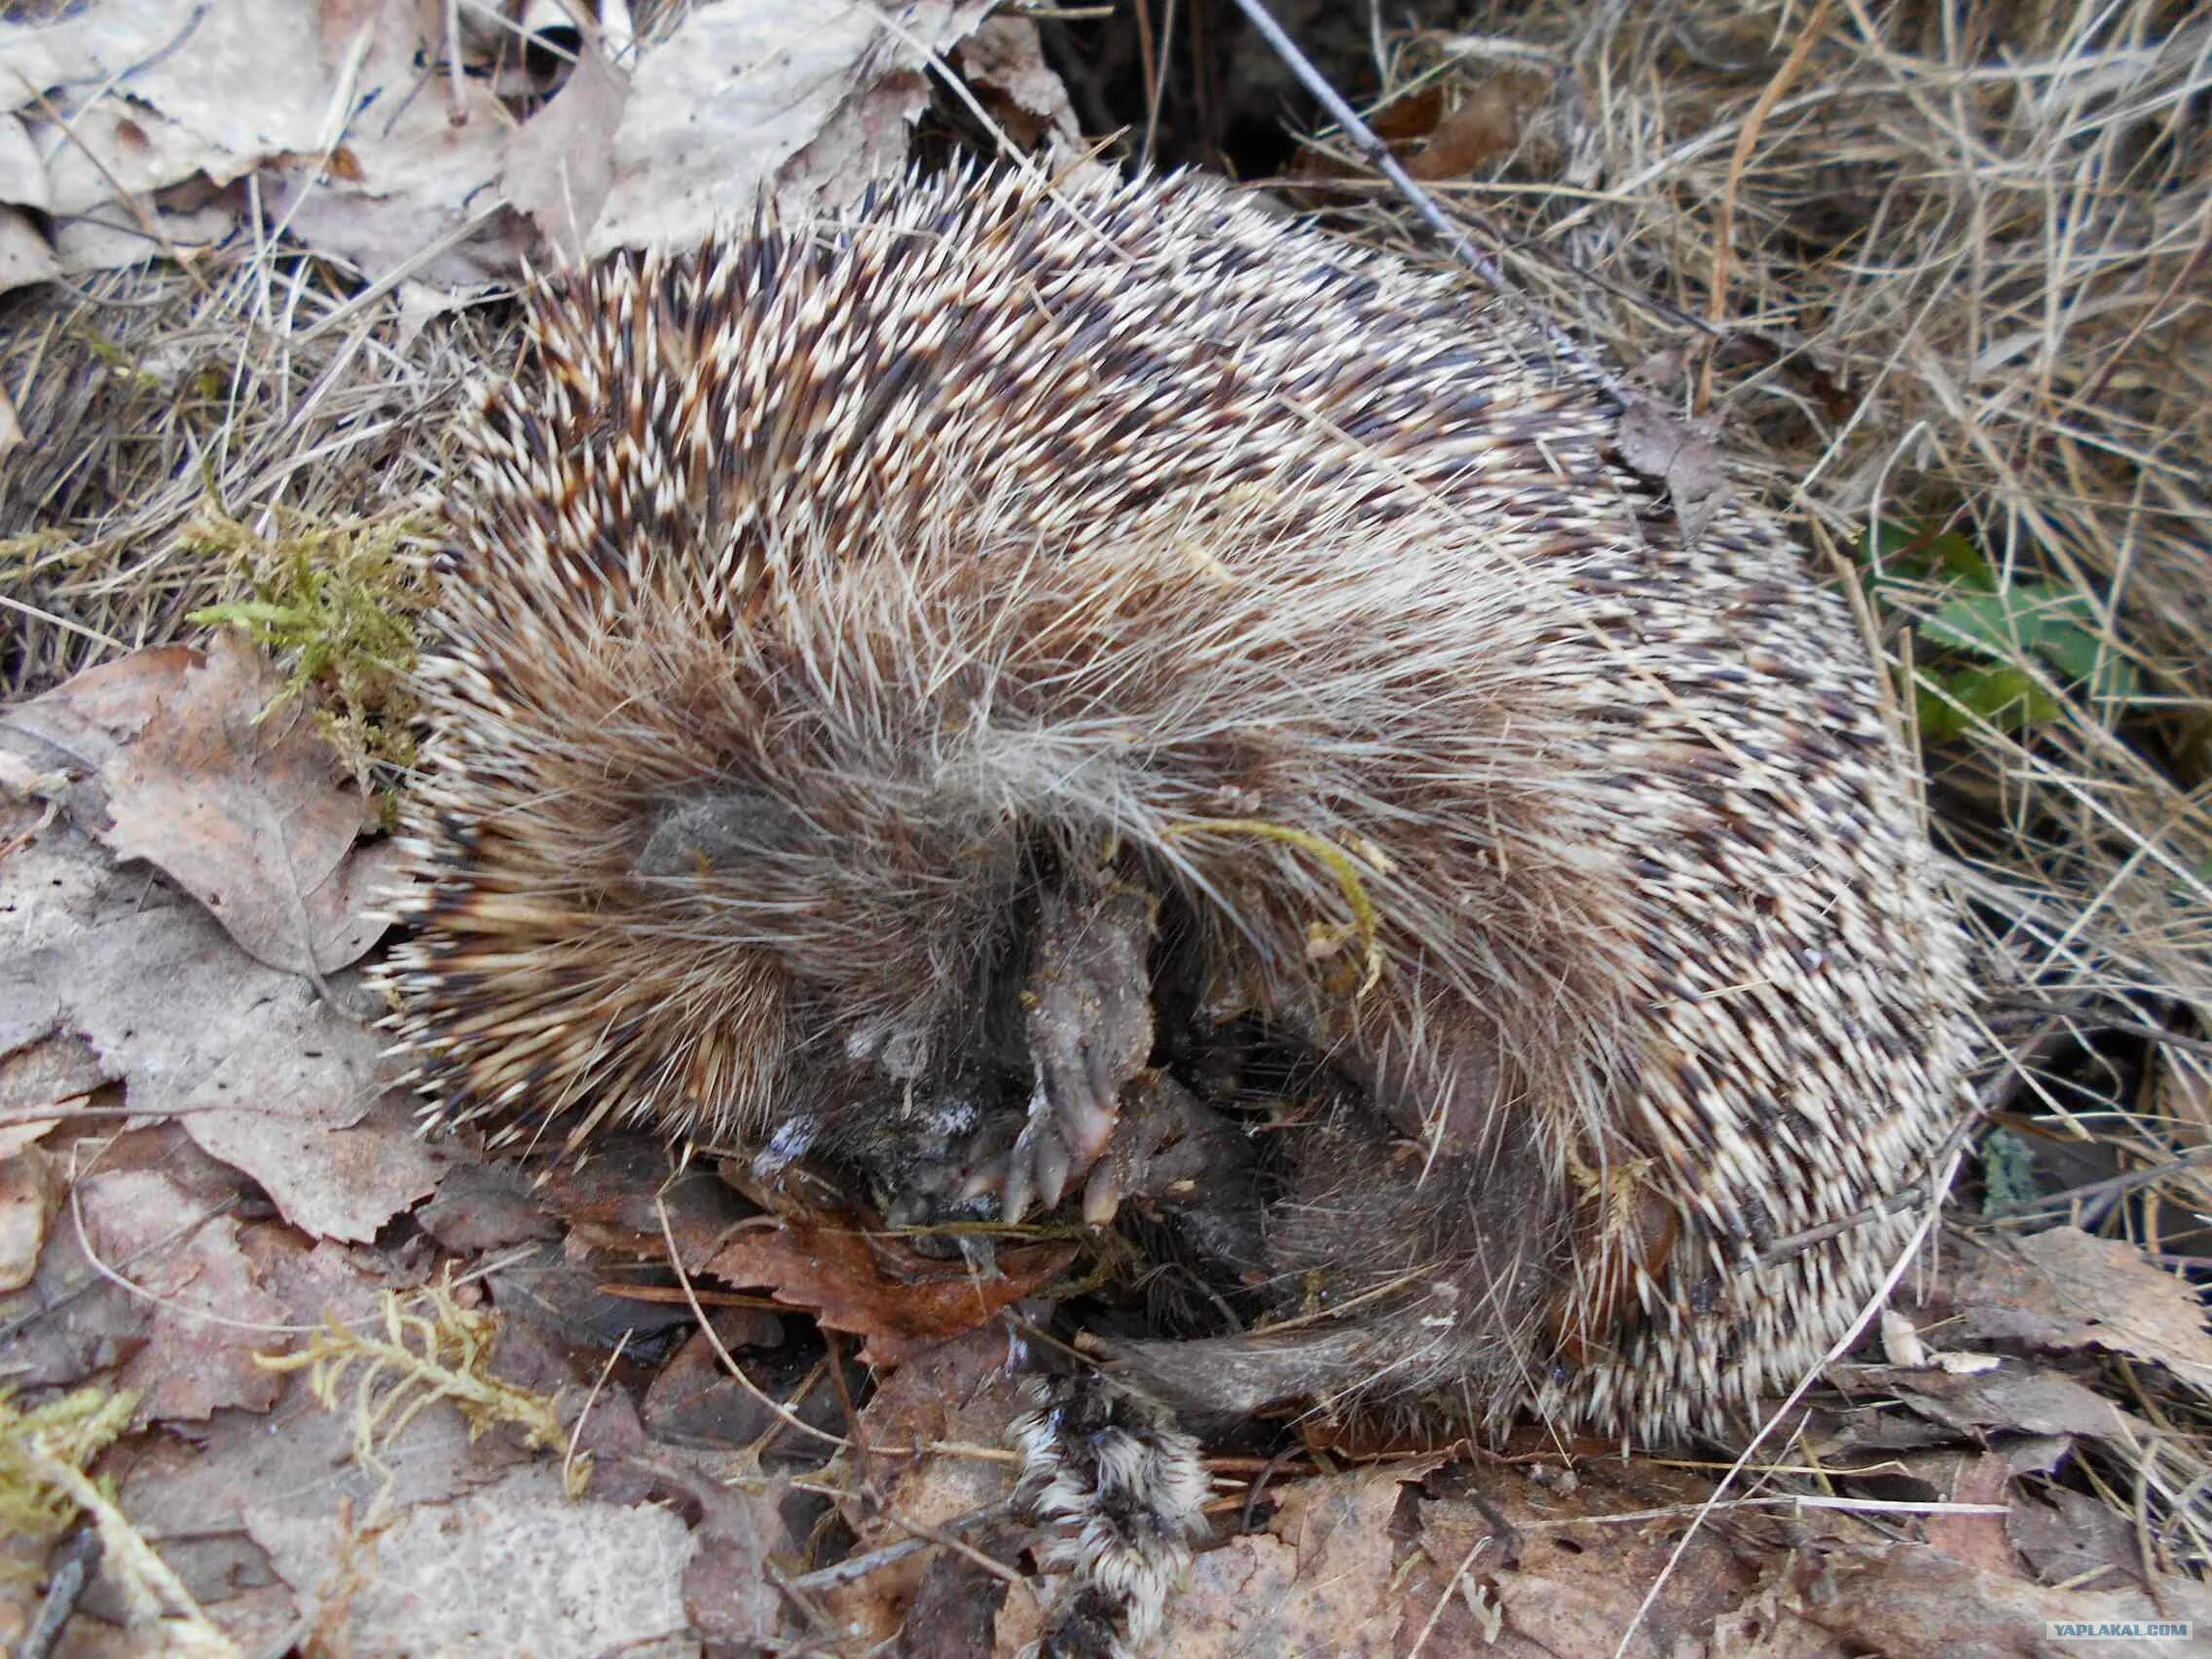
{"x":337,"y":605}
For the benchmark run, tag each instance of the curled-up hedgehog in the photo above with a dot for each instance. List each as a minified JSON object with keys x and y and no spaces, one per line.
{"x":904,"y":686}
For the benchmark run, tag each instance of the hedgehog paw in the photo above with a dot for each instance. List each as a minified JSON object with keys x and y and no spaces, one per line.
{"x":1121,"y":1492}
{"x":1089,"y":1026}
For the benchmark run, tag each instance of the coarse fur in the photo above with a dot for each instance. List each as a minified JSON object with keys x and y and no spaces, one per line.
{"x":822,"y":599}
{"x":1121,"y":1491}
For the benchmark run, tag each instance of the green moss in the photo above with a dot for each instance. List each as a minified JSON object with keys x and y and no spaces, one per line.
{"x":64,"y":1433}
{"x":337,"y":605}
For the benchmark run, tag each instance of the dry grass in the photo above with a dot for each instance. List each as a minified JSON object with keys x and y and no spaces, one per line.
{"x":252,"y":390}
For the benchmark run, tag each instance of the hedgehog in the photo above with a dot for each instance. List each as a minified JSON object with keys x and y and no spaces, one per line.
{"x":904,"y":680}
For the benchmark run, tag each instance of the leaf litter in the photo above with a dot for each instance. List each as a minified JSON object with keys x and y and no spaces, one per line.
{"x":275,"y":305}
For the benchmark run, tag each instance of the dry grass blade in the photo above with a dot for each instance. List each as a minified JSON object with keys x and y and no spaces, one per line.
{"x":152,"y":399}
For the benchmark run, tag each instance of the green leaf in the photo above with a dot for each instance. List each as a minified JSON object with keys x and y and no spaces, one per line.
{"x":1954,"y":701}
{"x":1915,"y":553}
{"x":2055,"y":624}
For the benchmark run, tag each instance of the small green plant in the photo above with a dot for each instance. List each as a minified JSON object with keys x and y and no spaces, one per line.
{"x":336,"y":604}
{"x":1995,"y":648}
{"x":44,"y":1451}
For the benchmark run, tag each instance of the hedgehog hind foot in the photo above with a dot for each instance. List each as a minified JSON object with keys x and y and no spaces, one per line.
{"x":1121,"y":1492}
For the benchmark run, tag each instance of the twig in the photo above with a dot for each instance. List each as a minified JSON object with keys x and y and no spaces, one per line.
{"x":890,"y":1554}
{"x":715,"y":1341}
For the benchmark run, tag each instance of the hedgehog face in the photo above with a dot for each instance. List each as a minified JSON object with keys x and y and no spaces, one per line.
{"x":883,"y":932}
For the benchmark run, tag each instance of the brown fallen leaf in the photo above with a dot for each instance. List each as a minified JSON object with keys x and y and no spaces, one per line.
{"x":1906,"y":1601}
{"x":1520,"y":1560}
{"x":616,"y":1198}
{"x":1667,"y":447}
{"x":1980,"y":1540}
{"x":2071,"y":1538}
{"x":204,"y":775}
{"x":1316,"y":1581}
{"x":1006,"y":60}
{"x":878,"y":1289}
{"x":255,"y":1064}
{"x":2015,"y":1397}
{"x":206,"y":1309}
{"x":958,"y":1395}
{"x":2064,"y":1289}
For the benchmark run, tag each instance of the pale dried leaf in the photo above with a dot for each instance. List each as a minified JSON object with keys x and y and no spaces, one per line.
{"x":1005,"y":56}
{"x":25,"y":258}
{"x":258,"y":1067}
{"x":30,"y":1190}
{"x":205,"y":1310}
{"x":1907,"y":1601}
{"x":207,"y":776}
{"x":515,"y":1568}
{"x":22,"y":170}
{"x":2065,"y":1289}
{"x":1317,"y":1581}
{"x":561,"y":165}
{"x":742,"y":87}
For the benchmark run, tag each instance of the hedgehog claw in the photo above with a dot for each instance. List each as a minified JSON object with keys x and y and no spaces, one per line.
{"x":1089,"y":1028}
{"x":1101,"y":1196}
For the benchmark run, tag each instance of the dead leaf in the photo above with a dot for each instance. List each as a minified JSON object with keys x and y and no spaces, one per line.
{"x":513,"y":1567}
{"x":1907,"y":1601}
{"x":2014,"y":1397}
{"x":1317,"y":1581}
{"x":1658,"y":443}
{"x":1006,"y":56}
{"x":2064,"y":1289}
{"x":483,"y":1208}
{"x":900,"y":1302}
{"x":1980,"y":1540}
{"x":41,"y":1077}
{"x":693,"y":1400}
{"x":254,"y":1064}
{"x":958,"y":1395}
{"x":728,"y":1596}
{"x":31,"y":1188}
{"x":743,"y":86}
{"x":207,"y":1312}
{"x":74,"y":1319}
{"x":237,"y":801}
{"x":25,"y":257}
{"x":616,"y":1199}
{"x":2074,"y":1539}
{"x":22,"y":172}
{"x":561,"y":165}
{"x":1524,"y":1563}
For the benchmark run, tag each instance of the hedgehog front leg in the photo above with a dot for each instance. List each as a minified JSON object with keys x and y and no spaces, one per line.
{"x":1088,"y":1017}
